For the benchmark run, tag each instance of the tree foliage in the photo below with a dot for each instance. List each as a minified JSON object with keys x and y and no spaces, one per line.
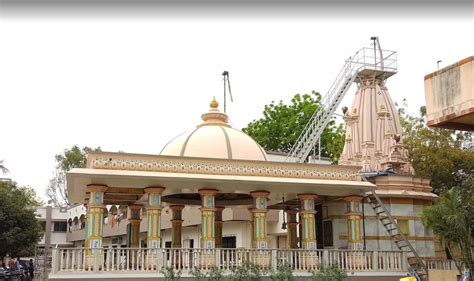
{"x":19,"y":228}
{"x":437,"y":153}
{"x":282,"y":124}
{"x":451,"y":219}
{"x":3,"y":168}
{"x":75,"y":157}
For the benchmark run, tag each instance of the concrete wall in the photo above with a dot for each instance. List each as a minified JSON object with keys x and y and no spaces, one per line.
{"x":376,"y":235}
{"x":449,"y":95}
{"x":49,"y":215}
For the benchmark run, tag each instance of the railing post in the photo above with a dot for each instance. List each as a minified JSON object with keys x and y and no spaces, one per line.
{"x":54,"y":261}
{"x":95,"y":254}
{"x":274,"y":260}
{"x":375,"y":260}
{"x":325,"y":257}
{"x":404,"y":261}
{"x":218,"y":258}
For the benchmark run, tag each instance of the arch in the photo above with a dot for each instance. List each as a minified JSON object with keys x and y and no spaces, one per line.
{"x":82,"y":220}
{"x":113,"y":210}
{"x":69,"y":225}
{"x":123,"y":211}
{"x":75,"y":223}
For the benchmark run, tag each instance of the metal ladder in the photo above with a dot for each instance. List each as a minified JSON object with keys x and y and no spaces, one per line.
{"x":313,"y":130}
{"x":363,"y":62}
{"x":417,"y":266}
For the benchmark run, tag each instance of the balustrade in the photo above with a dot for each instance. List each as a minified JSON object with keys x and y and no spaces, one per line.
{"x":156,"y":260}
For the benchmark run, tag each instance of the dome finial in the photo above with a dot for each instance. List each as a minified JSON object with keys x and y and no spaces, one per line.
{"x":214,"y":103}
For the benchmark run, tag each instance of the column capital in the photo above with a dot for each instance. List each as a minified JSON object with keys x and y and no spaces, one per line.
{"x":134,"y":212}
{"x":307,"y":196}
{"x":154,"y":189}
{"x":176,"y":208}
{"x":353,"y":198}
{"x":208,"y":191}
{"x":135,"y":206}
{"x":259,"y":194}
{"x":96,"y":188}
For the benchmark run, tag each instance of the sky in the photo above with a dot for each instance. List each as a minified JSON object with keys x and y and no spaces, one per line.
{"x":131,"y":77}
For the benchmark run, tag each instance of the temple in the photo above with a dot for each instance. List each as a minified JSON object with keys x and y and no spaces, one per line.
{"x":214,"y":198}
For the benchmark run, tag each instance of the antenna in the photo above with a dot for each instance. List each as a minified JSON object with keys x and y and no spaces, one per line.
{"x":377,"y":44}
{"x":225,"y":75}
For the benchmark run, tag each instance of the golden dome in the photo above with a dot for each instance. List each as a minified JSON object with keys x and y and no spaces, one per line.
{"x":215,"y":138}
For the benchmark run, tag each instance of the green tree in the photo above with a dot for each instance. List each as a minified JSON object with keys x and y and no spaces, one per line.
{"x":19,"y":228}
{"x":437,"y":153}
{"x":451,"y":219}
{"x":75,"y":157}
{"x":282,"y":124}
{"x":3,"y":168}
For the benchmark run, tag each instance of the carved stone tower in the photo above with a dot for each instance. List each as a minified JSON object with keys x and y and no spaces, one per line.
{"x":373,"y":132}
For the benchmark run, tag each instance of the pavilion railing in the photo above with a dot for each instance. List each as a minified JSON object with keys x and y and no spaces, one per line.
{"x":69,"y":260}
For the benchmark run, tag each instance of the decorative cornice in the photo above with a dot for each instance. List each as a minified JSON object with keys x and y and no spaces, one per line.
{"x":191,"y":165}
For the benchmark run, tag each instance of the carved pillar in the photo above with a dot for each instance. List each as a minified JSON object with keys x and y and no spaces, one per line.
{"x":134,"y":225}
{"x":177,"y":224}
{"x":219,"y":223}
{"x":259,"y":213}
{"x":354,"y":237}
{"x":208,"y":238}
{"x":95,"y":216}
{"x":292,"y":238}
{"x":153,"y":212}
{"x":308,"y":220}
{"x":252,"y":223}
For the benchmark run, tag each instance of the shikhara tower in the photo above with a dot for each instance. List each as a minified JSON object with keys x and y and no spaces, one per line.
{"x":373,"y":133}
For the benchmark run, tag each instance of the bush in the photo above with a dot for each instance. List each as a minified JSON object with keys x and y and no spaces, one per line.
{"x":215,"y":274}
{"x":246,"y":272}
{"x":170,"y":274}
{"x":330,"y":273}
{"x":284,"y":273}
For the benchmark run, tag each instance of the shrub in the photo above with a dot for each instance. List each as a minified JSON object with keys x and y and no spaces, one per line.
{"x":330,"y":273}
{"x":283,"y":273}
{"x":170,"y":274}
{"x":247,"y":271}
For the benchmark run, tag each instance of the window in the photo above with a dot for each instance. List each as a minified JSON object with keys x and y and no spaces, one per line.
{"x":229,"y":242}
{"x":327,"y":234}
{"x":404,"y":227}
{"x":43,"y":225}
{"x":60,"y":226}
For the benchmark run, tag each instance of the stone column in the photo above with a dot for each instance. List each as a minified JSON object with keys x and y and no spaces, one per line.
{"x":252,"y":224}
{"x":354,"y":237}
{"x":95,"y":216}
{"x":177,"y":224}
{"x":292,"y":224}
{"x":134,"y":221}
{"x":208,"y":212}
{"x":259,"y":213}
{"x":153,"y":212}
{"x":308,"y":220}
{"x":219,"y":223}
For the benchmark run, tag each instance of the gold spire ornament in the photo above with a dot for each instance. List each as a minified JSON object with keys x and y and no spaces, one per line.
{"x":214,"y":103}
